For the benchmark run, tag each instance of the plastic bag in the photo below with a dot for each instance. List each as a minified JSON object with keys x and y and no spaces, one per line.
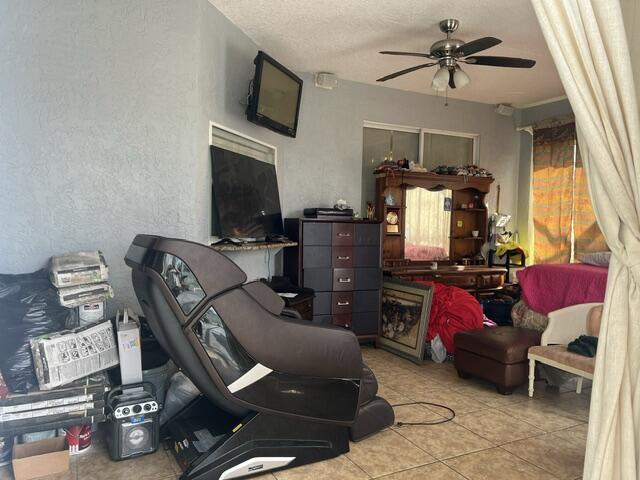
{"x":29,"y":308}
{"x":181,"y":393}
{"x":438,"y":350}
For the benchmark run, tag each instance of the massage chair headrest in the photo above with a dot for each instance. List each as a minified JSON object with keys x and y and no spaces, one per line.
{"x":214,"y":272}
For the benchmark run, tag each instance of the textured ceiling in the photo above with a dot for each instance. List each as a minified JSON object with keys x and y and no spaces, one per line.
{"x":344,"y":36}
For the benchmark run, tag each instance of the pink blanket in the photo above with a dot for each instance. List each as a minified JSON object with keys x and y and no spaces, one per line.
{"x":549,"y":287}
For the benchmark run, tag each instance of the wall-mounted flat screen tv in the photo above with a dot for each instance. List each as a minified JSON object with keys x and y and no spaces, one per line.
{"x":246,"y":203}
{"x":274,"y":99}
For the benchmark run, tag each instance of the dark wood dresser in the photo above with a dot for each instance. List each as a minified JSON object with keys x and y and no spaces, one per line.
{"x":341,"y":260}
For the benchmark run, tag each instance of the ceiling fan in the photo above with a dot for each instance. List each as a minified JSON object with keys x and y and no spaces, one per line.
{"x":450,"y":52}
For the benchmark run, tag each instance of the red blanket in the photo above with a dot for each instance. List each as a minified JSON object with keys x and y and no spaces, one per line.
{"x":452,"y":310}
{"x":550,"y":287}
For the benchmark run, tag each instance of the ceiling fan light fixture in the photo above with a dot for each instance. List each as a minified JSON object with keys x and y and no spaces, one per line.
{"x":460,"y":79}
{"x":440,"y":79}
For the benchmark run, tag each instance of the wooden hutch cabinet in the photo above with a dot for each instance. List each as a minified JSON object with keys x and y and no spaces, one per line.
{"x":468,"y":215}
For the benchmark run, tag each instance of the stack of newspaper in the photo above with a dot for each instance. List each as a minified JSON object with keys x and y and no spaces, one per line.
{"x":81,"y":280}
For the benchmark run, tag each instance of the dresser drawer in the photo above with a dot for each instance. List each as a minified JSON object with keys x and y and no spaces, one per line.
{"x":316,"y":233}
{"x":317,"y":257}
{"x":342,"y":233}
{"x":493,"y":280}
{"x":343,"y":320}
{"x":366,"y":256}
{"x":318,"y":279}
{"x":341,"y":302}
{"x":366,"y":301}
{"x":367,"y":278}
{"x":367,"y":234}
{"x":462,"y":281}
{"x":343,"y":279}
{"x":342,"y":257}
{"x":322,"y":303}
{"x":365,"y":323}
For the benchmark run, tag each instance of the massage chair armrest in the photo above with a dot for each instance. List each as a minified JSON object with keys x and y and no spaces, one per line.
{"x":291,"y":313}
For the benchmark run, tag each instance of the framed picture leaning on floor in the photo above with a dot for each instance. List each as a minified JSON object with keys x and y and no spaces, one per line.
{"x":405,"y":318}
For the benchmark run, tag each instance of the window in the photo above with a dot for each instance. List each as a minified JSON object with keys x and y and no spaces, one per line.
{"x":564,"y":224}
{"x":444,"y":149}
{"x":379,"y":144}
{"x":426,"y":147}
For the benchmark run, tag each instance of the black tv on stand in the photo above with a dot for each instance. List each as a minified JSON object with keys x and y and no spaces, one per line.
{"x":245,"y":198}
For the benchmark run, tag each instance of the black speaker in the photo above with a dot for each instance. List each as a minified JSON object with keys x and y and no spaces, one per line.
{"x":133,"y":423}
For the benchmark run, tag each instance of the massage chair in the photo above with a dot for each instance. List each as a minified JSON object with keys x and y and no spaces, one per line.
{"x":277,"y":392}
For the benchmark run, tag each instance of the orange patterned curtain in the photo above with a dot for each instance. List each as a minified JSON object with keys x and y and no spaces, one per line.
{"x":587,"y":235}
{"x":552,"y":186}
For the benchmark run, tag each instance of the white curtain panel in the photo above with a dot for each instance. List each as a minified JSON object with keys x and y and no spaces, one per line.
{"x":588,"y":44}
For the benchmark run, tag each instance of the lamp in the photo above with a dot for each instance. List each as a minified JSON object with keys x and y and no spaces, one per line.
{"x":440,"y":79}
{"x":460,"y":79}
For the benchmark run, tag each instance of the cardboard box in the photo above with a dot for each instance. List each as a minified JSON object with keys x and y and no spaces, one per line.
{"x":62,"y":357}
{"x":38,"y":459}
{"x":129,"y":348}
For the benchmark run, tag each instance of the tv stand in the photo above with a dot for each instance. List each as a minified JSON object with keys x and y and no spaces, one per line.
{"x":228,"y":240}
{"x":246,"y":247}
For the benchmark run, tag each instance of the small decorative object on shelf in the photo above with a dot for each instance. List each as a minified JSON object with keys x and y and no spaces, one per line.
{"x":371,"y":210}
{"x":468,"y":170}
{"x":403,"y":164}
{"x":389,"y":200}
{"x":386,"y":166}
{"x":341,"y":204}
{"x":392,"y":222}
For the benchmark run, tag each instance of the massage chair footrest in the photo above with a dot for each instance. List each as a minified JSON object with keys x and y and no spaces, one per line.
{"x":372,"y":417}
{"x":257,"y":443}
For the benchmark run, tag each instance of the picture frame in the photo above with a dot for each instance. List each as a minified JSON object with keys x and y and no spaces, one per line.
{"x":405,"y":318}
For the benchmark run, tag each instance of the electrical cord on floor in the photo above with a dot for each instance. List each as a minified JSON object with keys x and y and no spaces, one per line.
{"x":435,"y":422}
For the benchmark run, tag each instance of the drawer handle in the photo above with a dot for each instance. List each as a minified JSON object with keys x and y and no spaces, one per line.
{"x":437,"y":276}
{"x":344,"y":280}
{"x":343,"y":257}
{"x":344,"y":234}
{"x":342,"y":304}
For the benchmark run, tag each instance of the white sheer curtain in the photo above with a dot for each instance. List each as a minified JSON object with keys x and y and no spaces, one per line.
{"x":590,"y":50}
{"x":427,"y":224}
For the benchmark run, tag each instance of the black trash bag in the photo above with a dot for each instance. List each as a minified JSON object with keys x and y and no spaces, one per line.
{"x":29,"y":307}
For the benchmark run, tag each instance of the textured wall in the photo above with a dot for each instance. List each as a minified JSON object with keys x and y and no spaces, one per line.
{"x":325,"y":161}
{"x":104,"y":134}
{"x":98,"y":103}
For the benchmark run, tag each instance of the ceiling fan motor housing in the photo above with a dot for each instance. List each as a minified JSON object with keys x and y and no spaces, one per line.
{"x":445,"y":48}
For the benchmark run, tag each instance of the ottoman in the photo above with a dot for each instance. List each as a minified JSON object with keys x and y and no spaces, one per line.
{"x":498,"y":355}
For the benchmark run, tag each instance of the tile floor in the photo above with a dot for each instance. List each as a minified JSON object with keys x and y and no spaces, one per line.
{"x":493,"y":437}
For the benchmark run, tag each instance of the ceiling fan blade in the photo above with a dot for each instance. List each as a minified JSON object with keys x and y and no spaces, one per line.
{"x":476,"y":46}
{"x":501,"y":61}
{"x":409,"y":54}
{"x":406,"y":70}
{"x":451,"y":82}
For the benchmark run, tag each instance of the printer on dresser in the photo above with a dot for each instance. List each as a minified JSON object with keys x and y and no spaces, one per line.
{"x":341,"y":259}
